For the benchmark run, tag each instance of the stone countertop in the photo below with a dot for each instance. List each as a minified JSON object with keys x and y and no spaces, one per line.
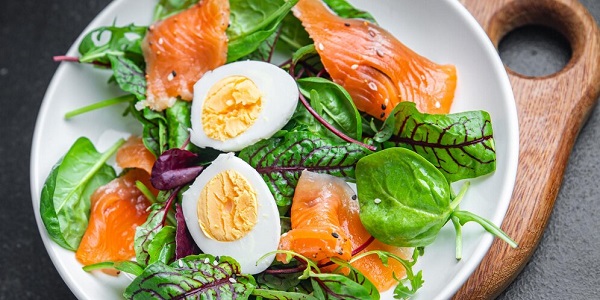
{"x":565,"y":266}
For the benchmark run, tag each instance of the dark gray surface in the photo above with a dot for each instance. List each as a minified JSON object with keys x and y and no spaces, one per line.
{"x":565,"y":266}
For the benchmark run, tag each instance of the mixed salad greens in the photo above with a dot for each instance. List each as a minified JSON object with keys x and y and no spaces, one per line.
{"x":327,"y":134}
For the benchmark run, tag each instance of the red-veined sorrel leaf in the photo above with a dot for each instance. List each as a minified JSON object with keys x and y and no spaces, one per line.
{"x":281,"y":159}
{"x":461,"y":145}
{"x":194,"y":277}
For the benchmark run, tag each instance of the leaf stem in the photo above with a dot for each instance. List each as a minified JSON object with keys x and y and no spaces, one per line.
{"x":98,"y":105}
{"x":458,"y":229}
{"x":465,"y":216}
{"x":363,"y":246}
{"x":146,"y":191}
{"x":461,"y":194}
{"x":59,"y":58}
{"x":330,"y":127}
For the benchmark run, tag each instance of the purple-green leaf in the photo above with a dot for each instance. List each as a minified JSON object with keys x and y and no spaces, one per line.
{"x":281,"y":159}
{"x":184,"y":243}
{"x":175,"y":167}
{"x":194,"y":277}
{"x":460,"y":145}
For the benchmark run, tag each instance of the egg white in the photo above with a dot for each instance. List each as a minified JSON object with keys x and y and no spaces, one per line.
{"x":262,"y":239}
{"x":279,"y":100}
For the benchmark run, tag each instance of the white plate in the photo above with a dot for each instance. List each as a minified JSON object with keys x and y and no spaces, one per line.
{"x":441,"y":30}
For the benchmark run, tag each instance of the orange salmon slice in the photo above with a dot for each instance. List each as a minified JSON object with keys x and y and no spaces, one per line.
{"x":180,"y":49}
{"x":324,"y":205}
{"x":376,"y":69}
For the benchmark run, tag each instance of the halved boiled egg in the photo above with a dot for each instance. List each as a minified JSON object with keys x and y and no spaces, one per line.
{"x":241,"y":103}
{"x":229,"y":210}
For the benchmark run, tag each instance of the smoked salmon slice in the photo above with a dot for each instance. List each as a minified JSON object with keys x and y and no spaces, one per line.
{"x":376,"y":69}
{"x":316,"y":230}
{"x":118,"y":208}
{"x":326,"y":223}
{"x":180,"y":49}
{"x":133,"y":154}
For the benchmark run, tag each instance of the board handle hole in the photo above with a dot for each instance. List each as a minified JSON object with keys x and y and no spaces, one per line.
{"x":538,"y":38}
{"x":535,"y":50}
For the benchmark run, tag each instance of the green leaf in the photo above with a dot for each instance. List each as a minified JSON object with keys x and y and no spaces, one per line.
{"x":96,"y":47}
{"x":65,"y":198}
{"x":356,"y":276}
{"x":193,"y":277}
{"x":162,"y":246}
{"x":145,"y":234}
{"x":334,"y":104}
{"x":154,"y":134}
{"x":179,"y":121}
{"x":336,"y":286}
{"x":293,"y":33}
{"x":167,"y":8}
{"x":252,"y":22}
{"x":460,"y":145}
{"x":304,"y":53}
{"x":281,"y":159}
{"x":128,"y":76}
{"x":281,"y":295}
{"x":265,"y":50}
{"x":345,"y":10}
{"x":401,"y":189}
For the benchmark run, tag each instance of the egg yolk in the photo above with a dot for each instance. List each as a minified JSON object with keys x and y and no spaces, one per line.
{"x":231,"y":106}
{"x":227,"y":207}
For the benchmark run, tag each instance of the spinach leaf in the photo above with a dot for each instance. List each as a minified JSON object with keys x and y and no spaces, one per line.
{"x":345,"y":10}
{"x":125,"y":41}
{"x":293,"y":33}
{"x":265,"y":50}
{"x":304,"y":53}
{"x":252,"y":22}
{"x":334,"y":104}
{"x":281,"y":159}
{"x":460,"y":145}
{"x":167,"y":8}
{"x":405,"y":200}
{"x":179,"y":121}
{"x":65,"y":198}
{"x":295,"y":36}
{"x":130,"y":77}
{"x":336,"y":286}
{"x":193,"y":277}
{"x":154,"y":134}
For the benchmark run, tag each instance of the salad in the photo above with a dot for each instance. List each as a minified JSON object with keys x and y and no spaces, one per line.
{"x":242,"y":193}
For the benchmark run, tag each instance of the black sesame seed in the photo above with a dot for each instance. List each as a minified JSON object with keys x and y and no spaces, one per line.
{"x":335,"y":235}
{"x":347,"y":24}
{"x":382,"y":115}
{"x":383,"y":106}
{"x":173,"y":73}
{"x":216,"y":258}
{"x":354,"y":197}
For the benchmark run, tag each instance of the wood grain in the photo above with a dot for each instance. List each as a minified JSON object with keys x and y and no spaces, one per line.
{"x":551,"y":111}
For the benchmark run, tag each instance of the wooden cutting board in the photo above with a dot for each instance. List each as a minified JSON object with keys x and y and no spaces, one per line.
{"x":551,"y":111}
